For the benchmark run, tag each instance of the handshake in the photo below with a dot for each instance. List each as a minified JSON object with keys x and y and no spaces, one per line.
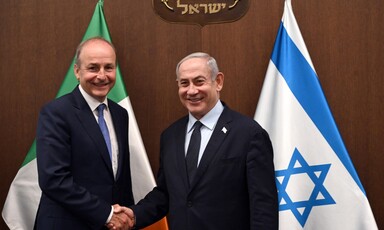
{"x":123,"y":218}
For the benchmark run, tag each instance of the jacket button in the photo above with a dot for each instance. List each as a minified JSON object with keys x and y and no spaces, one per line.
{"x":189,"y":203}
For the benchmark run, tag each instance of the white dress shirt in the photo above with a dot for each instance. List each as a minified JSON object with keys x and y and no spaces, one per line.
{"x":209,"y":122}
{"x":93,"y":104}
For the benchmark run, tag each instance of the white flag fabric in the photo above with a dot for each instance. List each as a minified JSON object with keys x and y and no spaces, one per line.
{"x":318,"y":187}
{"x":23,"y":198}
{"x":24,"y":194}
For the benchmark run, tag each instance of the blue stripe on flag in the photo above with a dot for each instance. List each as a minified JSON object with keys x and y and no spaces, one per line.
{"x":304,"y":84}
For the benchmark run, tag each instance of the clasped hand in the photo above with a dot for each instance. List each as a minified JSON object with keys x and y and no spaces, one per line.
{"x":123,"y":218}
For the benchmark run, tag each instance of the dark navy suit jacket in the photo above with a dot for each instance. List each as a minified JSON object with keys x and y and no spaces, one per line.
{"x":74,"y":168}
{"x":234,"y":186}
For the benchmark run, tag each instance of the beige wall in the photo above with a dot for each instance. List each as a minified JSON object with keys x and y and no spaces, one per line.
{"x":344,"y":39}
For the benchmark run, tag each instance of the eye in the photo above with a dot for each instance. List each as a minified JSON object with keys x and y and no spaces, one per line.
{"x":183,"y":83}
{"x":109,"y":68}
{"x":93,"y":69}
{"x":199,"y":81}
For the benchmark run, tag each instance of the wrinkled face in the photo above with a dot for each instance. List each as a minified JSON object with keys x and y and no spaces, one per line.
{"x":97,"y":69}
{"x":197,"y":92}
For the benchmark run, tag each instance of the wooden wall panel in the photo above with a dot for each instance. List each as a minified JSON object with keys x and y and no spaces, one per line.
{"x":344,"y":38}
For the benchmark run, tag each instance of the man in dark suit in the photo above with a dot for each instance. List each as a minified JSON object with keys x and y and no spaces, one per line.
{"x":233,"y":184}
{"x":84,"y":177}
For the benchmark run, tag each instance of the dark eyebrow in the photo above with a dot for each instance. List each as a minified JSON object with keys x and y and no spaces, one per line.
{"x":199,"y":77}
{"x":93,"y":64}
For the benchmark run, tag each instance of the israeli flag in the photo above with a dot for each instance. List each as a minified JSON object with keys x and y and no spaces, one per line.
{"x":318,"y":187}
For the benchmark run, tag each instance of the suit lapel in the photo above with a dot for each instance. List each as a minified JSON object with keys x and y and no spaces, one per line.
{"x":219,"y":134}
{"x":88,"y":121}
{"x":116,"y":119}
{"x":180,"y":151}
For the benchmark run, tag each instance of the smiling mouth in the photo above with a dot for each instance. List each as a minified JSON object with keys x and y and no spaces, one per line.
{"x":101,"y":84}
{"x":194,"y":100}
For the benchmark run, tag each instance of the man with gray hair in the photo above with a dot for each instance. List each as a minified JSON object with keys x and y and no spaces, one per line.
{"x":216,"y":166}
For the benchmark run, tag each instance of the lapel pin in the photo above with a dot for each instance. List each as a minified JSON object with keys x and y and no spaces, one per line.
{"x":224,"y":130}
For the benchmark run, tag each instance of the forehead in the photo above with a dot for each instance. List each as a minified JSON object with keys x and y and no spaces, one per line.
{"x":97,"y":51}
{"x":194,"y":67}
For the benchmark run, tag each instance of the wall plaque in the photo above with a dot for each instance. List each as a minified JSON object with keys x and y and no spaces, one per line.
{"x":200,"y":12}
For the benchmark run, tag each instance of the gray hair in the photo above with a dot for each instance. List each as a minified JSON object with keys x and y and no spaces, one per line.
{"x":211,"y":63}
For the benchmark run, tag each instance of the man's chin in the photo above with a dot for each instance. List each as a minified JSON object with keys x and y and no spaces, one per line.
{"x":194,"y":106}
{"x":195,"y":111}
{"x":100,"y":95}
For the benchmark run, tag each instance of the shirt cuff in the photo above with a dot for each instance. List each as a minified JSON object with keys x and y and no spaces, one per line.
{"x":110,"y":215}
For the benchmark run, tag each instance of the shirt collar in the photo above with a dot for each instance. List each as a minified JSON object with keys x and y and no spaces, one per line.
{"x":209,"y":120}
{"x":92,"y":102}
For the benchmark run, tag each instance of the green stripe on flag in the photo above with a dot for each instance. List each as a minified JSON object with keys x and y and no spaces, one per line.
{"x":31,"y":154}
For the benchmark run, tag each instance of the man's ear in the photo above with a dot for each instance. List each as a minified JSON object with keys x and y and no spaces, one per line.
{"x":76,"y":70}
{"x":219,"y":81}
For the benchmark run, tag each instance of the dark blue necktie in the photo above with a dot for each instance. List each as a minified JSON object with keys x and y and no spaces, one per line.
{"x":193,"y":151}
{"x":104,"y":127}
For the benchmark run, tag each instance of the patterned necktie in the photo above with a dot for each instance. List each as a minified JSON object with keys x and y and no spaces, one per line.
{"x":193,"y":151}
{"x":104,"y":127}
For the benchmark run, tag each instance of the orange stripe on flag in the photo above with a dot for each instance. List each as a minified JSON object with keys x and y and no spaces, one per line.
{"x":159,"y":225}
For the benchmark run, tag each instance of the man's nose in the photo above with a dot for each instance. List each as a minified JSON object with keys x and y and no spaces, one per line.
{"x":192,"y":89}
{"x":101,"y":73}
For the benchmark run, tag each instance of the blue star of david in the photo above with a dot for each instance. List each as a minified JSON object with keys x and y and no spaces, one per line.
{"x":319,"y":195}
